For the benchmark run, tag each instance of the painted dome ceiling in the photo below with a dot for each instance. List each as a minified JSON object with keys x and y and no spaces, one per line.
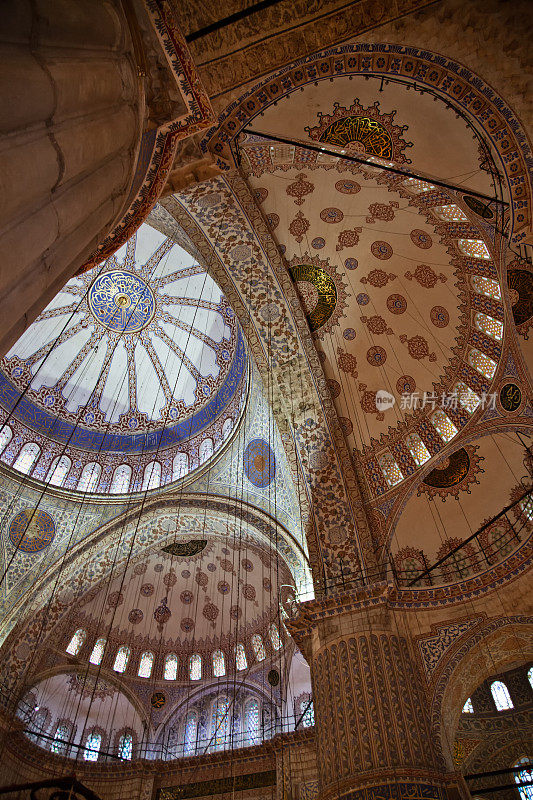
{"x":135,"y":359}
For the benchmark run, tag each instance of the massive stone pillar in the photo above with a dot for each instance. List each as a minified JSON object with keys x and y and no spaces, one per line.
{"x":71,"y":123}
{"x":374,"y":737}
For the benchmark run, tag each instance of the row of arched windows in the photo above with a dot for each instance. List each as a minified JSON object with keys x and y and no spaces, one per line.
{"x":63,"y":739}
{"x":89,"y":479}
{"x":500,"y":695}
{"x":171,"y":662}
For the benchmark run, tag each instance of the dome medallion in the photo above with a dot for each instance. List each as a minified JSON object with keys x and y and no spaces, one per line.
{"x":121,"y":301}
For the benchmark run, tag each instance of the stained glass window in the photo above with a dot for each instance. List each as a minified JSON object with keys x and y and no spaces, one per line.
{"x":475,"y":248}
{"x":98,"y":652}
{"x":275,"y":637}
{"x":482,"y":363}
{"x":60,"y":742}
{"x":252,"y":722}
{"x":525,"y":775}
{"x":6,"y":434}
{"x":206,"y":450}
{"x":59,"y":470}
{"x":390,"y":469}
{"x":152,"y":476}
{"x":39,"y":722}
{"x":195,"y":667}
{"x":527,"y":507}
{"x":417,"y":448}
{"x":444,"y":426}
{"x":492,"y":327}
{"x":486,"y":286}
{"x":145,"y":665}
{"x":189,"y":739}
{"x":530,"y":676}
{"x":121,"y":479}
{"x":418,"y":186}
{"x":89,"y":477}
{"x":468,"y":708}
{"x":92,"y":746}
{"x":450,"y":213}
{"x":27,"y":457}
{"x":502,"y":698}
{"x":74,"y":646}
{"x":170,"y":672}
{"x":220,"y":724}
{"x":125,"y":747}
{"x":219,"y":664}
{"x":240,"y":657}
{"x":180,"y":466}
{"x":308,"y":711}
{"x":259,"y":647}
{"x":466,"y":397}
{"x":121,"y":659}
{"x":226,"y":428}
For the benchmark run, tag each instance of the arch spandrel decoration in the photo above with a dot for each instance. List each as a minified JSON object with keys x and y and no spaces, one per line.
{"x":454,"y":82}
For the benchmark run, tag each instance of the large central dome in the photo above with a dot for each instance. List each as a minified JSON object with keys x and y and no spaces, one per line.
{"x":140,"y":355}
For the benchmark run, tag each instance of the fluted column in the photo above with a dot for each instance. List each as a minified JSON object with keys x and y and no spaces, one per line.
{"x":71,"y":122}
{"x":374,"y":737}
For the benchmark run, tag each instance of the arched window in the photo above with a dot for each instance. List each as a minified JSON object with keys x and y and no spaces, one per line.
{"x":417,"y":448}
{"x":170,"y":672}
{"x":27,"y":457}
{"x":180,"y":466}
{"x":226,"y":428}
{"x":444,"y":426}
{"x":6,"y":434}
{"x":482,"y":363}
{"x":195,"y":667}
{"x":59,"y":469}
{"x":93,"y":744}
{"x":240,"y":657}
{"x":219,"y":664}
{"x":206,"y":450}
{"x":502,"y":698}
{"x":74,"y":646}
{"x":145,"y":665}
{"x":525,"y":775}
{"x":125,"y":747}
{"x":308,"y":711}
{"x":474,"y":248}
{"x":417,"y":186}
{"x":466,"y":397}
{"x":39,"y":722}
{"x":390,"y":469}
{"x":252,"y":722}
{"x":189,"y":738}
{"x":89,"y":477}
{"x":98,"y":652}
{"x":152,"y":476}
{"x":468,"y":708}
{"x":121,"y":659}
{"x":530,"y":676}
{"x":450,"y":213}
{"x":220,"y":723}
{"x":486,"y":286}
{"x":492,"y":327}
{"x":527,"y":507}
{"x":60,"y":741}
{"x":121,"y":479}
{"x":259,"y":647}
{"x":275,"y":637}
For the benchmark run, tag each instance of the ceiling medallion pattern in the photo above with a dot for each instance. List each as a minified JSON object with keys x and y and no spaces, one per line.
{"x":31,"y":530}
{"x":453,"y":474}
{"x":367,"y":131}
{"x":259,"y":463}
{"x":121,"y":301}
{"x":322,"y":290}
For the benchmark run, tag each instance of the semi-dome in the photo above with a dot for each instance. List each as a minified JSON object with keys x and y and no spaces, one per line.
{"x":132,"y":376}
